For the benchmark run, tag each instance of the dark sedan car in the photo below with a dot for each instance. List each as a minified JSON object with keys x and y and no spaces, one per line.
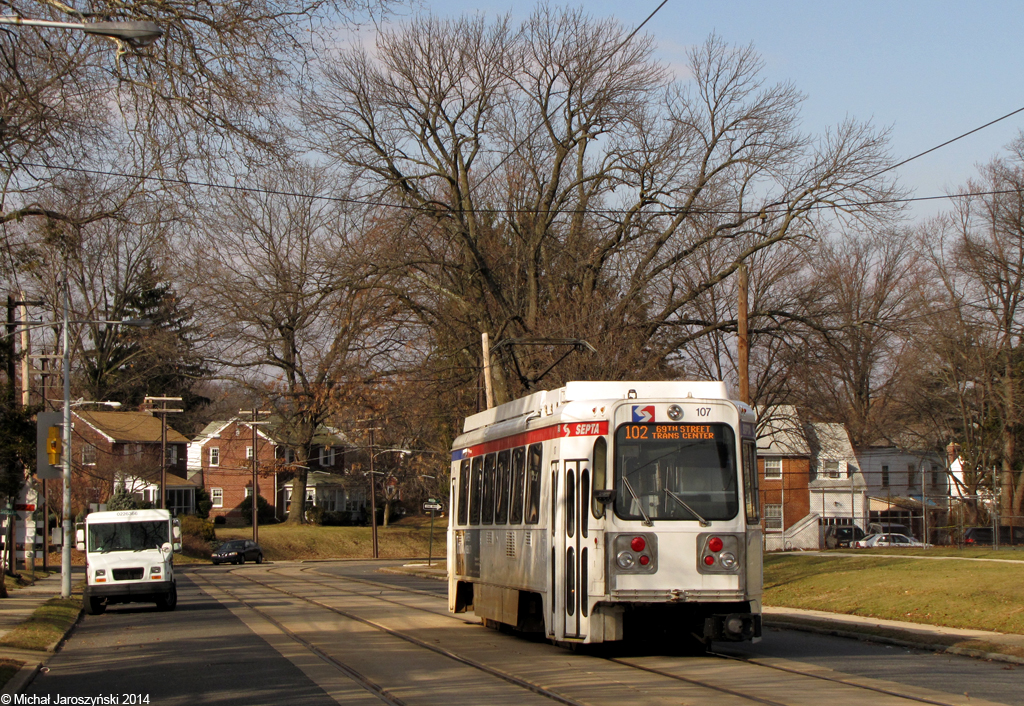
{"x":238,"y":551}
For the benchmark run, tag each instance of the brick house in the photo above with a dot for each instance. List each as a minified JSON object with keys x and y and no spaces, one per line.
{"x":221,"y":457}
{"x":108,"y":447}
{"x":809,"y":478}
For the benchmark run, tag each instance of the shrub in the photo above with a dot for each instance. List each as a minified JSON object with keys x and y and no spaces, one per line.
{"x":220,"y":520}
{"x":203,"y":504}
{"x":337,"y":519}
{"x":264,"y":512}
{"x":192,"y":526}
{"x":315,"y":515}
{"x":195,"y":546}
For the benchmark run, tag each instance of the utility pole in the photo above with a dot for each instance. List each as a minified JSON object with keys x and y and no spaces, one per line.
{"x":255,"y":475}
{"x":163,"y":411}
{"x":742,"y":342}
{"x":373,"y":501}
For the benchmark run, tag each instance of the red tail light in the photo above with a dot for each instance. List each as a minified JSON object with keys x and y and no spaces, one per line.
{"x":715,"y":544}
{"x":638,"y":544}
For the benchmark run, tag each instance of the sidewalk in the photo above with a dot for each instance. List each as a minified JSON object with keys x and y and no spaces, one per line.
{"x":980,"y":644}
{"x":16,"y":609}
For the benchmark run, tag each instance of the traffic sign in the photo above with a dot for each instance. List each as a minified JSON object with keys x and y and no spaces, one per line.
{"x":433,"y":506}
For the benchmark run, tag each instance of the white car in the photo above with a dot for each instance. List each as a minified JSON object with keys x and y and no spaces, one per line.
{"x":890,"y":540}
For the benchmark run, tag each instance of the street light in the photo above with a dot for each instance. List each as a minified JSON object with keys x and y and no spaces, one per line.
{"x":373,"y":492}
{"x":137,"y":34}
{"x":65,"y":555}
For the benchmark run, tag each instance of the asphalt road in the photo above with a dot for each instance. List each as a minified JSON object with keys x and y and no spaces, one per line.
{"x":200,"y":653}
{"x":210,"y":650}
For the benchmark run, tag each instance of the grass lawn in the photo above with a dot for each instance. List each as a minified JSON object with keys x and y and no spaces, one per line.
{"x":47,"y":624}
{"x":407,"y":537}
{"x":961,"y":594}
{"x":8,"y":668}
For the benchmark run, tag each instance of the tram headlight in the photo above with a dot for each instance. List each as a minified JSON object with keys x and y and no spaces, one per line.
{"x":728,"y":560}
{"x":675,"y":413}
{"x":625,"y":560}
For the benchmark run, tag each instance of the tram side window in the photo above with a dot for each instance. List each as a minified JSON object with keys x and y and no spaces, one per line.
{"x":533,"y":484}
{"x":478,"y":483}
{"x":518,"y":483}
{"x":463,"y":492}
{"x":487,"y":509}
{"x":501,"y":494}
{"x":600,"y":473}
{"x":750,"y":482}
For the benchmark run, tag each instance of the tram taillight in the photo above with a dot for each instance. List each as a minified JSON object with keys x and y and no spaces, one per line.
{"x":637,"y":544}
{"x":719,"y":554}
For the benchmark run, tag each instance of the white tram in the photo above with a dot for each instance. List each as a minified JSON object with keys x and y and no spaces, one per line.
{"x":606,"y":510}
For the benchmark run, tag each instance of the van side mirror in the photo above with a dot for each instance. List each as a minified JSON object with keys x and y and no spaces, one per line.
{"x":80,"y":540}
{"x":605,"y":497}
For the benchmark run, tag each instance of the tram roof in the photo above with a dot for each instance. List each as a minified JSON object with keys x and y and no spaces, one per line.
{"x":590,"y":390}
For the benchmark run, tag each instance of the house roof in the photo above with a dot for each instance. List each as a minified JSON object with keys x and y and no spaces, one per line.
{"x":831,"y":441}
{"x":129,"y":427}
{"x":780,"y":432}
{"x":324,"y":436}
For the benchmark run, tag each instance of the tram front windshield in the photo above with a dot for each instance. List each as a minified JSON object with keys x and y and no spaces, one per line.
{"x":675,"y":472}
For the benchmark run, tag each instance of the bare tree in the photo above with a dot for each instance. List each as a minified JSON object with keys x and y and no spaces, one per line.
{"x":294,"y":320}
{"x":550,"y":180}
{"x":979,"y":260}
{"x":859,"y":296}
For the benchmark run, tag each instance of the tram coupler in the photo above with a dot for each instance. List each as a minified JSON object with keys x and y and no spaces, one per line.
{"x":734,"y":627}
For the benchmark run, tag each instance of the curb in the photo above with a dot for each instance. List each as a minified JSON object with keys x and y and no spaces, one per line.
{"x":20,"y":681}
{"x":895,"y":642}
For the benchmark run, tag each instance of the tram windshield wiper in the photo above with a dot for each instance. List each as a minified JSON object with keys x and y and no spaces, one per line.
{"x":703,"y":522}
{"x":639,"y":505}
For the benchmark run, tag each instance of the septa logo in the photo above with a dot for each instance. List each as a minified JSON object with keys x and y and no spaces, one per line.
{"x":643,"y":414}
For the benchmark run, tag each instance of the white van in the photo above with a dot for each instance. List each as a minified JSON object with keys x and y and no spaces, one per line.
{"x":129,"y":558}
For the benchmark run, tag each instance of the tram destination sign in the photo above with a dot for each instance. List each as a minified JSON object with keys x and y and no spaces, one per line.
{"x":669,"y":432}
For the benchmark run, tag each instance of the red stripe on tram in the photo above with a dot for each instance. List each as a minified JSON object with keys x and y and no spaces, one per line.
{"x":534,"y":436}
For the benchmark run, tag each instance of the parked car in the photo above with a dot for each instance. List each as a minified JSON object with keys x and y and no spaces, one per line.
{"x":889,"y":528}
{"x":890,"y":540}
{"x":982,"y":536}
{"x":238,"y":551}
{"x":843,"y":536}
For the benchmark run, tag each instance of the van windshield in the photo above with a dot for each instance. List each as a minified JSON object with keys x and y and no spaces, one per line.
{"x":676,"y":472}
{"x":127,"y":536}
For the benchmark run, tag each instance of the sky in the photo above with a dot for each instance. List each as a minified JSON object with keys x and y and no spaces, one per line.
{"x":929,"y":71}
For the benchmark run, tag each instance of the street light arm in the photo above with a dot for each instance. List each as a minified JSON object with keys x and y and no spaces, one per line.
{"x":135,"y":33}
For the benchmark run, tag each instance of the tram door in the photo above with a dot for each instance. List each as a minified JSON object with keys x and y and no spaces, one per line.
{"x":576,"y":478}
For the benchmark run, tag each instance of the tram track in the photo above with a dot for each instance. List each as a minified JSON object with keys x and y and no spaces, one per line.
{"x":362,"y":680}
{"x":848,"y":682}
{"x":331,"y":581}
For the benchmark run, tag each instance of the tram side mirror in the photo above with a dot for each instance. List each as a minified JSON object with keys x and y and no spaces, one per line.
{"x":605,"y":497}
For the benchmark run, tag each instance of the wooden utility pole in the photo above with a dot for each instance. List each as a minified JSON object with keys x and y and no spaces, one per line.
{"x":488,"y":385}
{"x":255,"y":472}
{"x":742,"y":343}
{"x":163,"y":411}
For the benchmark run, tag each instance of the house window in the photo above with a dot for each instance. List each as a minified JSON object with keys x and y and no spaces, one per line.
{"x":935,"y":475}
{"x":217,"y":496}
{"x":88,"y":455}
{"x":911,"y":475}
{"x":830,"y":469}
{"x":326,"y":456}
{"x":289,"y":455}
{"x":772,"y":516}
{"x":214,"y":456}
{"x":248,"y":492}
{"x":772,"y":468}
{"x":172,"y":454}
{"x":248,"y":453}
{"x":885,"y":476}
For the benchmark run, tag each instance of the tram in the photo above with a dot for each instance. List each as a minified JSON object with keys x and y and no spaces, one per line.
{"x":605,"y":511}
